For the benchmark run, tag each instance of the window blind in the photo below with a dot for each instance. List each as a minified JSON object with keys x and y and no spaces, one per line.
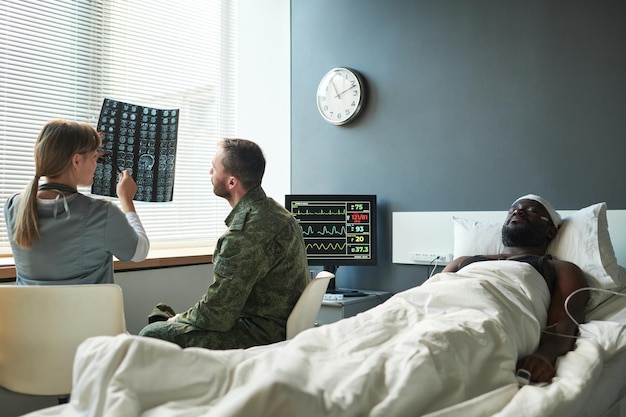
{"x":60,"y":59}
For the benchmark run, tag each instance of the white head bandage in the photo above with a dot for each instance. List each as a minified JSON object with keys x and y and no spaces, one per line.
{"x":554,"y":216}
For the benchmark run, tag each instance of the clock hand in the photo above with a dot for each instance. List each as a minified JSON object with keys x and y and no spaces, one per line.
{"x":347,"y":89}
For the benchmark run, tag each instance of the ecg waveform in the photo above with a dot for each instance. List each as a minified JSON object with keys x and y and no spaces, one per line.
{"x":322,"y":212}
{"x":327,"y":212}
{"x":323,"y":230}
{"x":331,"y":247}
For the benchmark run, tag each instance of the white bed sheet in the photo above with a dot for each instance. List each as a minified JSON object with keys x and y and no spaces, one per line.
{"x":611,"y":385}
{"x":590,"y":380}
{"x":335,"y":370}
{"x":609,"y":390}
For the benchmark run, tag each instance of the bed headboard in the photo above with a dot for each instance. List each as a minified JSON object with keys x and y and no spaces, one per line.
{"x":433,"y":231}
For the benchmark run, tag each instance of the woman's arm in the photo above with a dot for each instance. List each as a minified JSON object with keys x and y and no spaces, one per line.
{"x":143,"y":243}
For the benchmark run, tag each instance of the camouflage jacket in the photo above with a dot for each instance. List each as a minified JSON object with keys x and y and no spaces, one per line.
{"x":259,"y":267}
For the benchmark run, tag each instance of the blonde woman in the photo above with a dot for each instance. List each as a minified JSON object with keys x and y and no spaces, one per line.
{"x":60,"y":236}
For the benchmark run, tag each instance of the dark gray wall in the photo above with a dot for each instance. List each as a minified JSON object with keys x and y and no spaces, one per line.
{"x":471,"y":104}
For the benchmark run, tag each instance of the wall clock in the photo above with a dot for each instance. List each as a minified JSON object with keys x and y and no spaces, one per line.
{"x":340,"y":95}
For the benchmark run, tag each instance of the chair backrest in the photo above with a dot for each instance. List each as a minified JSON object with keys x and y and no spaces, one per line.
{"x":305,"y":311}
{"x":41,"y":327}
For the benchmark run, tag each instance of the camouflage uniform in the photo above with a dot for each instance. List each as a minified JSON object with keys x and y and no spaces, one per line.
{"x":260,"y":270}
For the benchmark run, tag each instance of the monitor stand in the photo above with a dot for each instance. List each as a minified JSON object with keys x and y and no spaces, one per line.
{"x":332,"y":289}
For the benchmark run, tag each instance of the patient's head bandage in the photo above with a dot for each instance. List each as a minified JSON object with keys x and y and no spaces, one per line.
{"x":554,"y":216}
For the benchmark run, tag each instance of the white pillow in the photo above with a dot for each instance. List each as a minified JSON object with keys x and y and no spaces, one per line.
{"x":583,"y":239}
{"x":473,"y":237}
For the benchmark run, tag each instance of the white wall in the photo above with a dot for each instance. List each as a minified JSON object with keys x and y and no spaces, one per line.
{"x":264,"y":111}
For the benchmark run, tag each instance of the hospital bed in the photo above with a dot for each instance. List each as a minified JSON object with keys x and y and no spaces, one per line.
{"x":445,"y":348}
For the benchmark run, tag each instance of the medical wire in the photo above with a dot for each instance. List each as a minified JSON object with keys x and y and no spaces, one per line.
{"x":570,"y":315}
{"x":435,"y":264}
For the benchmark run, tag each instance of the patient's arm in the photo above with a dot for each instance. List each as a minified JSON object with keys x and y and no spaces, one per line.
{"x":454,"y":265}
{"x":557,"y":338}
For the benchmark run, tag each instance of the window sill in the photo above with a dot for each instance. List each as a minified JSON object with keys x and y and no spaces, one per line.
{"x":158,"y":257}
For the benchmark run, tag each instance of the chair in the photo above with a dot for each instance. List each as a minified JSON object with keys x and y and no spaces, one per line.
{"x":41,"y":327}
{"x":305,"y":311}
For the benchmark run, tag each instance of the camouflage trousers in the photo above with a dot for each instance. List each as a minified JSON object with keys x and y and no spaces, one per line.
{"x":243,"y":334}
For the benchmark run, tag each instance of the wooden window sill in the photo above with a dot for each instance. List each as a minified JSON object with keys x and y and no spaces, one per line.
{"x":157,"y":258}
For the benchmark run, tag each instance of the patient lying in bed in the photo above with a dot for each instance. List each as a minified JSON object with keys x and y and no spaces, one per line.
{"x":455,"y":338}
{"x":530,"y":225}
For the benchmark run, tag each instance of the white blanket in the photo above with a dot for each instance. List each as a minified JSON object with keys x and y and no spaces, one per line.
{"x":446,"y":346}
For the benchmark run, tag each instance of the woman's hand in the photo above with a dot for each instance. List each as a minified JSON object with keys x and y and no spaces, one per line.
{"x":126,"y":189}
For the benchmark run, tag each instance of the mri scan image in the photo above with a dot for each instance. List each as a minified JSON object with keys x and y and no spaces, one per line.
{"x":142,"y":141}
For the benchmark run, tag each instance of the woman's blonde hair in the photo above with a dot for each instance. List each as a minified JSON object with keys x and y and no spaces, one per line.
{"x":57,"y":143}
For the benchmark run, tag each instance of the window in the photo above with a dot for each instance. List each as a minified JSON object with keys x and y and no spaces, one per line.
{"x":61,"y":59}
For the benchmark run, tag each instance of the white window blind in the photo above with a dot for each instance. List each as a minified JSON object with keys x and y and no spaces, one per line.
{"x":60,"y":59}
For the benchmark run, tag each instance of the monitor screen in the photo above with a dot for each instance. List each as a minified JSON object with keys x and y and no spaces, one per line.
{"x":338,"y":229}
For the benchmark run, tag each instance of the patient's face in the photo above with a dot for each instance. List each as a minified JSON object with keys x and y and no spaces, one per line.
{"x":527,"y":225}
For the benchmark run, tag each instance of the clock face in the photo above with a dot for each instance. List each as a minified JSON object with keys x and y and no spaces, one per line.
{"x":340,"y":96}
